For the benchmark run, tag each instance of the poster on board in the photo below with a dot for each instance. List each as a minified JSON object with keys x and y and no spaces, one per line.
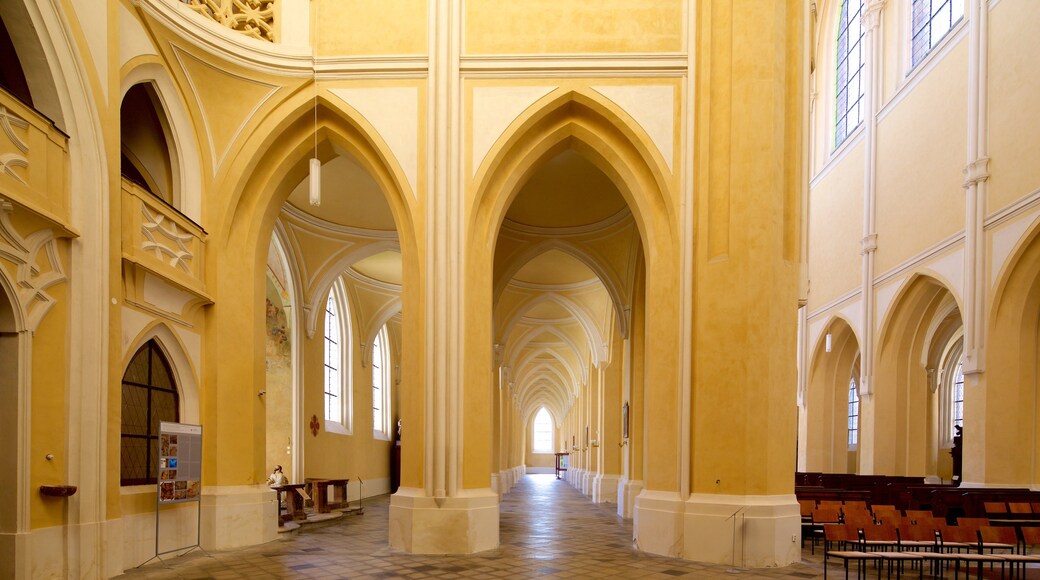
{"x":180,"y":462}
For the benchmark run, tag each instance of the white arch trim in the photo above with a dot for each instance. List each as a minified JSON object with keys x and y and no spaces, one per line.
{"x":611,"y":282}
{"x":524,"y":368}
{"x":333,"y":271}
{"x":293,"y":285}
{"x":184,"y":370}
{"x":517,"y":347}
{"x":597,"y":346}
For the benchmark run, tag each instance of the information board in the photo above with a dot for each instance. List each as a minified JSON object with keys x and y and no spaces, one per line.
{"x":180,"y":462}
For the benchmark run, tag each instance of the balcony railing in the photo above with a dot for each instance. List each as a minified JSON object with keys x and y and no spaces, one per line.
{"x":33,"y":160}
{"x":162,"y":240}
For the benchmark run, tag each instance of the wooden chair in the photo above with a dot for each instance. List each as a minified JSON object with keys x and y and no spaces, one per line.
{"x":821,"y":518}
{"x":844,"y":535}
{"x":1001,"y":538}
{"x":1030,"y":537}
{"x":956,"y":538}
{"x":995,"y":508}
{"x":916,"y":515}
{"x":1020,"y":510}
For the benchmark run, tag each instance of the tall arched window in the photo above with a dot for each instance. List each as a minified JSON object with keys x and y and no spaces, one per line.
{"x":149,"y":397}
{"x":333,"y":361}
{"x":957,"y":400}
{"x":853,"y":412}
{"x":338,"y":413}
{"x":930,"y":21}
{"x":381,"y":385}
{"x":849,"y":83}
{"x":541,"y":433}
{"x":951,"y":391}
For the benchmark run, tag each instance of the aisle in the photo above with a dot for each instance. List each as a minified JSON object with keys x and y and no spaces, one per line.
{"x":547,"y":529}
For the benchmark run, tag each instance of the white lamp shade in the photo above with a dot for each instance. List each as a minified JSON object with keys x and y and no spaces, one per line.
{"x":315,"y":181}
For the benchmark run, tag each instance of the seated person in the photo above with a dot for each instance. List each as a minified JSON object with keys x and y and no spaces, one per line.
{"x":277,"y":478}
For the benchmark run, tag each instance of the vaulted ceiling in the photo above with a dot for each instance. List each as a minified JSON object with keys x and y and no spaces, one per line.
{"x":564,"y":265}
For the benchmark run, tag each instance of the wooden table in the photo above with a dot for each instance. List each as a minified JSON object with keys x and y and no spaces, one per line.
{"x":561,"y":464}
{"x":320,"y":494}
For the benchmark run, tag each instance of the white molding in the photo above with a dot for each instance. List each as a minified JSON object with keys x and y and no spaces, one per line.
{"x":904,"y":267}
{"x":837,"y":155}
{"x":320,"y":226}
{"x":226,"y":44}
{"x":584,"y":284}
{"x":575,"y":65}
{"x":920,"y":259}
{"x":367,"y":67}
{"x":913,"y":77}
{"x":1013,"y":210}
{"x":180,"y":54}
{"x":621,"y":217}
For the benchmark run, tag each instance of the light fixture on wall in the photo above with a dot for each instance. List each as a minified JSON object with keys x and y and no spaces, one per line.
{"x":827,"y":342}
{"x":315,"y":163}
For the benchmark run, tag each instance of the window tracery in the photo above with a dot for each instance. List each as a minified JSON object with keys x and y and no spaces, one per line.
{"x":849,"y":78}
{"x":254,"y":18}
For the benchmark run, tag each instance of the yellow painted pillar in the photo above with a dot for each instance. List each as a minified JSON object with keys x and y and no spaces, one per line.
{"x":742,"y":509}
{"x":605,"y":487}
{"x":632,"y":476}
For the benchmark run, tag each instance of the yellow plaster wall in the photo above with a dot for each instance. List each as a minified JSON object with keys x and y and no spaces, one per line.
{"x":371,"y":27}
{"x":921,"y":155}
{"x":835,"y":229}
{"x":573,"y":26}
{"x":1013,"y":103}
{"x":334,"y":455}
{"x":49,"y":400}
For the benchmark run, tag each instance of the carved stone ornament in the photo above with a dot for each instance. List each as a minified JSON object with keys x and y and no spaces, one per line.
{"x":15,"y":129}
{"x":253,"y":18}
{"x":38,"y":265}
{"x":166,"y":240}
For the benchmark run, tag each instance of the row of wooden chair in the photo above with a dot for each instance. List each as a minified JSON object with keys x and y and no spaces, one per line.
{"x":1012,"y":509}
{"x":933,"y":542}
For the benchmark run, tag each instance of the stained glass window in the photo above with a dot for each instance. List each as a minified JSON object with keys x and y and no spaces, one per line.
{"x":853,"y":413}
{"x":957,"y":398}
{"x":380,"y":384}
{"x":149,"y":396}
{"x":930,"y":21}
{"x":333,"y":359}
{"x":849,"y":84}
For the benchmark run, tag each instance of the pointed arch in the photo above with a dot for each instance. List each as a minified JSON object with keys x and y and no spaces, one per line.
{"x":600,"y":131}
{"x":829,"y":375}
{"x":334,"y":270}
{"x":905,"y":447}
{"x":179,"y":129}
{"x":1012,"y":354}
{"x":390,"y":310}
{"x":275,"y":155}
{"x":184,"y":370}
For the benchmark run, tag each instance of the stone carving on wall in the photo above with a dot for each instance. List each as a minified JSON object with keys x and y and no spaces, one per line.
{"x":166,"y":240}
{"x":37,"y":262}
{"x":13,"y":124}
{"x":253,"y":18}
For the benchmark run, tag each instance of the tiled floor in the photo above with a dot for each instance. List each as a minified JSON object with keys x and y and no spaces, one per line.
{"x":547,"y":529}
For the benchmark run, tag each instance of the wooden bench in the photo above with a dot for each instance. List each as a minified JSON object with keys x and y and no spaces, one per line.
{"x":292,"y":495}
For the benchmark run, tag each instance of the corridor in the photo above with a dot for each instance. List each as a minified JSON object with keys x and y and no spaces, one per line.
{"x":547,"y":529}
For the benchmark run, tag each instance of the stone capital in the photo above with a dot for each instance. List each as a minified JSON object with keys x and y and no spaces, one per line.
{"x":868,"y":244}
{"x":976,"y":172}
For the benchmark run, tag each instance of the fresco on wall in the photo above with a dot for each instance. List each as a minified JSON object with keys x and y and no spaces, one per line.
{"x":278,"y":363}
